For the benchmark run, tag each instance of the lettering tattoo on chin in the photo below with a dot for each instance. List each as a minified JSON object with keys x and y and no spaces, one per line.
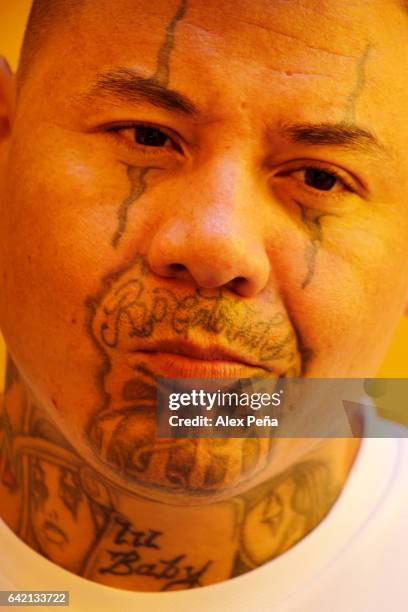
{"x":132,"y":312}
{"x":138,"y":174}
{"x":136,"y":309}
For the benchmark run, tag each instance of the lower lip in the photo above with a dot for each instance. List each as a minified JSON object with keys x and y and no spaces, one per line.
{"x":54,"y":534}
{"x":172,"y":365}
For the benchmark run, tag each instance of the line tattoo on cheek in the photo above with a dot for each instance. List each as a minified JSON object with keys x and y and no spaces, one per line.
{"x":137,"y":175}
{"x":312,"y":220}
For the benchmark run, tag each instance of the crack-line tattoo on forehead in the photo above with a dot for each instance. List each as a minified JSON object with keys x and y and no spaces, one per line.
{"x":137,"y":175}
{"x":350,"y":111}
{"x":162,"y":74}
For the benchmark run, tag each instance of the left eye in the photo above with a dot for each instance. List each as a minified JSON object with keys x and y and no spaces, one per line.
{"x":150,"y":136}
{"x":317,"y":180}
{"x":320,"y":179}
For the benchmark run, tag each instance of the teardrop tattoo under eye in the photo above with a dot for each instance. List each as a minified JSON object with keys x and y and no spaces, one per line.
{"x":312,"y":219}
{"x":137,"y":177}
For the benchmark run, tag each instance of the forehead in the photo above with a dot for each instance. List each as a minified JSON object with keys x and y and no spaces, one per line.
{"x":314,"y":54}
{"x":253,"y":29}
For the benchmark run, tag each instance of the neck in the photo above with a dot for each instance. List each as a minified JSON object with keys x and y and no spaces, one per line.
{"x":67,"y":512}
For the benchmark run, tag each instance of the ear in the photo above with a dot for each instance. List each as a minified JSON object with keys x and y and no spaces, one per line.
{"x":7,"y":98}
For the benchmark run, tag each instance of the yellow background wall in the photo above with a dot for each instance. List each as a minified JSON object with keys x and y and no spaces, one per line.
{"x":13,"y":14}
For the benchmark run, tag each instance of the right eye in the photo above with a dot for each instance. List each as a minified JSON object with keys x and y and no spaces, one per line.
{"x":146,"y":139}
{"x":150,"y":136}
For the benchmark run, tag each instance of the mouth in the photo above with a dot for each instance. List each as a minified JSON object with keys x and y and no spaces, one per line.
{"x":54,"y":534}
{"x":184,"y":359}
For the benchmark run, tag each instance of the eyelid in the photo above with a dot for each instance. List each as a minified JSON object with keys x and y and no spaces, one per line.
{"x":351,"y":182}
{"x":118,"y":126}
{"x":344,"y":184}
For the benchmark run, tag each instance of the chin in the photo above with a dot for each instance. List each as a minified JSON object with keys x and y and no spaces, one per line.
{"x":182,"y":471}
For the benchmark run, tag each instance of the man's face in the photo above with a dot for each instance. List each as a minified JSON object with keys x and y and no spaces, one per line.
{"x":195,"y":190}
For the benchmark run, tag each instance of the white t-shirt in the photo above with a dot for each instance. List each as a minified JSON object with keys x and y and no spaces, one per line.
{"x":355,"y":560}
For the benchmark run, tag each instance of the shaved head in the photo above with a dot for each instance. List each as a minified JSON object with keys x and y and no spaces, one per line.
{"x":44,"y":16}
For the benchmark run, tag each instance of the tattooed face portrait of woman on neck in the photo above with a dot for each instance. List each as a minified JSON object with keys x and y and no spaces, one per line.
{"x":191,"y":189}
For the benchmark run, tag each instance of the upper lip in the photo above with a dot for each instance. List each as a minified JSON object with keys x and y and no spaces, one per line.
{"x":212,"y":352}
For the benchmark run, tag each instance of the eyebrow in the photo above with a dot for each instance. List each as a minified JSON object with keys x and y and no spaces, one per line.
{"x":128,"y":85}
{"x":343,"y":135}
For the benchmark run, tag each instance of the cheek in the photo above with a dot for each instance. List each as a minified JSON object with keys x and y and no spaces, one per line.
{"x":56,"y":249}
{"x":349,"y":310}
{"x":59,"y":216}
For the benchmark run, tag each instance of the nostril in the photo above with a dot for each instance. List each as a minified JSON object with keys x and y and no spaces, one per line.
{"x":240,"y":285}
{"x":236,"y":282}
{"x":177,"y":267}
{"x":179,"y":271}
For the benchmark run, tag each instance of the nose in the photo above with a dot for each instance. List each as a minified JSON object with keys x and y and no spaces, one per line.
{"x":213,"y":234}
